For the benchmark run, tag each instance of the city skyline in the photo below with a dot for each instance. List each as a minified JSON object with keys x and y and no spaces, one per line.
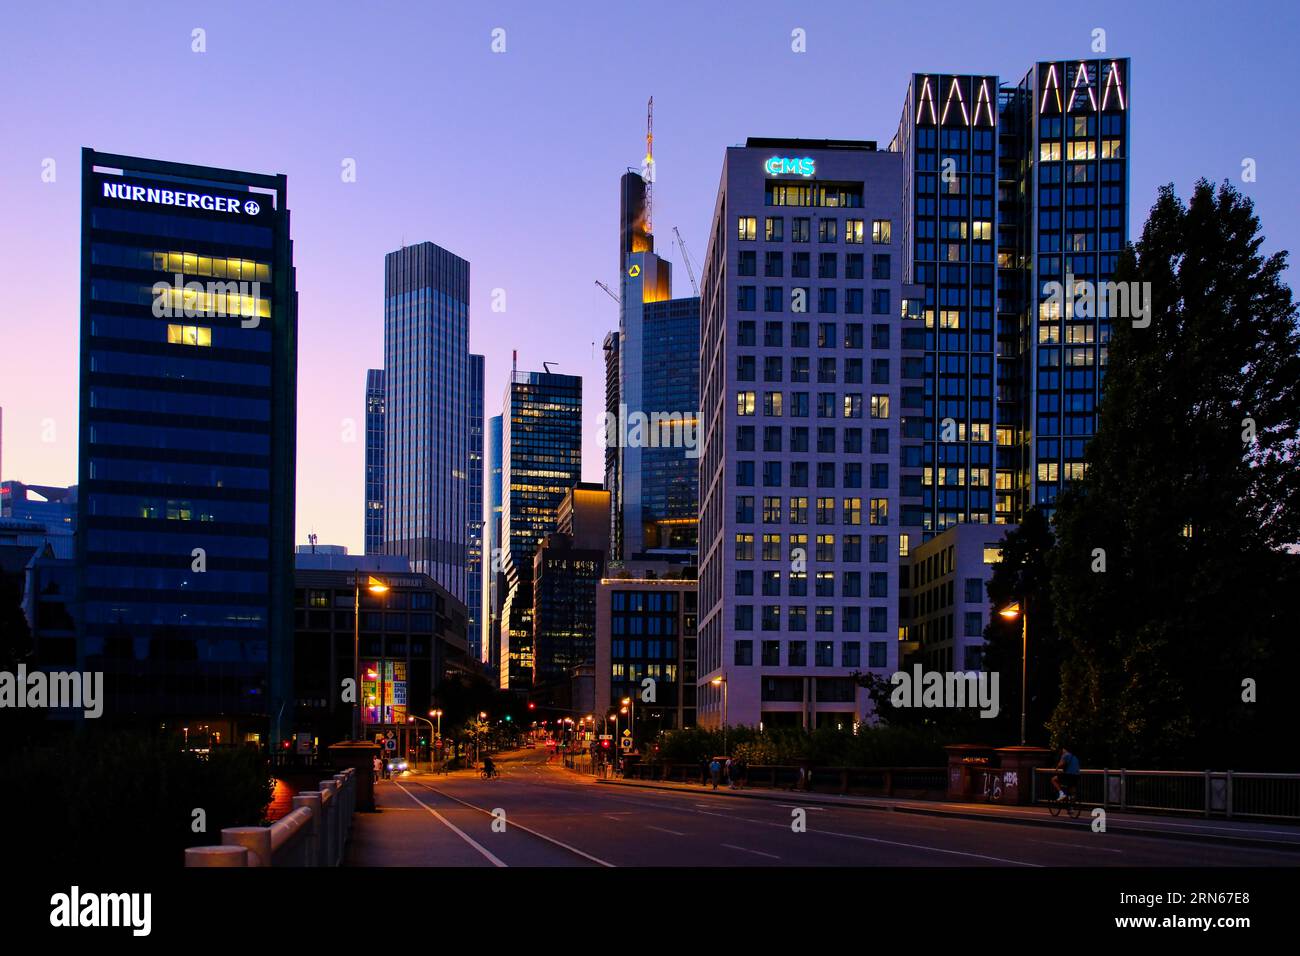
{"x":550,"y":295}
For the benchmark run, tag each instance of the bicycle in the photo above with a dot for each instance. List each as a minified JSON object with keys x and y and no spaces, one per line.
{"x":1070,"y":804}
{"x":488,"y":774}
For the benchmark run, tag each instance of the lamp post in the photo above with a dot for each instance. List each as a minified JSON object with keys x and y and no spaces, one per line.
{"x":412,"y":719}
{"x":1010,"y":613}
{"x":478,"y":734}
{"x":375,"y":586}
{"x":721,"y":680}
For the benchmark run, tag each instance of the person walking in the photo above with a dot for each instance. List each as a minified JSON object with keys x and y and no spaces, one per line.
{"x":704,"y":772}
{"x":375,"y":766}
{"x":739,"y":770}
{"x":715,"y":772}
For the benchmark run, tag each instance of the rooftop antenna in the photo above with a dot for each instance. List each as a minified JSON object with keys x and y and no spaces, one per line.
{"x":546,"y":366}
{"x":648,"y":166}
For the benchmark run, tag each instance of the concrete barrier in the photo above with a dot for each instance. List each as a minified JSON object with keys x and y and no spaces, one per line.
{"x":315,"y":833}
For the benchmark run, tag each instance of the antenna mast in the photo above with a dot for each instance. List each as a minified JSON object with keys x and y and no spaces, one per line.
{"x":648,"y":166}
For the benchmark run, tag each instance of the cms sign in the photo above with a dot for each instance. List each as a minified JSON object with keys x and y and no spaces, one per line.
{"x":790,"y":166}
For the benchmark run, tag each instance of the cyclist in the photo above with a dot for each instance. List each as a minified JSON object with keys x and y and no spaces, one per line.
{"x":489,"y":767}
{"x":1067,"y":775}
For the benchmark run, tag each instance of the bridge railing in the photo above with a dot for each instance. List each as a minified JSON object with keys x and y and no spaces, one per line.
{"x":889,"y":781}
{"x":313,"y":834}
{"x":1203,"y":793}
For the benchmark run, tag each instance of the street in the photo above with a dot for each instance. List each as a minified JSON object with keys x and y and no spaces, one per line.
{"x":539,"y":814}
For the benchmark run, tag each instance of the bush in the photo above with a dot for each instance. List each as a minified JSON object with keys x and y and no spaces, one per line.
{"x":116,"y":795}
{"x":882,"y":746}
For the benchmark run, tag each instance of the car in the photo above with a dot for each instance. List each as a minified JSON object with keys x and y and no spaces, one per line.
{"x":396,"y":765}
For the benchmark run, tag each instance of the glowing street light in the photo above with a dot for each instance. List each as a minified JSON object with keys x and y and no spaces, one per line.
{"x":1010,"y":613}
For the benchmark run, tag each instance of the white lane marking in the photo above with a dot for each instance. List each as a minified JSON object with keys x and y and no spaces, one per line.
{"x":455,"y":829}
{"x":742,"y":849}
{"x":520,"y":826}
{"x":791,"y":806}
{"x":665,"y":830}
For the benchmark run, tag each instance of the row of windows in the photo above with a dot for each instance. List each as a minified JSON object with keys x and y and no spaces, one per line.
{"x":801,"y":264}
{"x":773,"y":437}
{"x":823,"y":509}
{"x":801,"y":335}
{"x":825,"y":543}
{"x":827,"y":369}
{"x":797,"y":581}
{"x":774,"y":404}
{"x":828,"y":300}
{"x":828,"y":230}
{"x":823,"y":654}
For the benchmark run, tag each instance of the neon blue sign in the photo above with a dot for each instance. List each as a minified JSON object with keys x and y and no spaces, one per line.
{"x":790,"y":166}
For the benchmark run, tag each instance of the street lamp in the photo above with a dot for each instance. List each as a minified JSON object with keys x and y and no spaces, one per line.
{"x":478,"y":734}
{"x":1010,"y":613}
{"x":375,"y":586}
{"x":412,"y":719}
{"x":436,"y":713}
{"x":721,"y":680}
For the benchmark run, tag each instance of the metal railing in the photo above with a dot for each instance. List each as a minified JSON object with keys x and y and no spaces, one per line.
{"x":1204,"y":793}
{"x":886,"y":781}
{"x":313,"y":834}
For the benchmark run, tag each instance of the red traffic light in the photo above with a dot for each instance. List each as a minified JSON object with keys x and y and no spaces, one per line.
{"x":604,"y":744}
{"x":531,"y":705}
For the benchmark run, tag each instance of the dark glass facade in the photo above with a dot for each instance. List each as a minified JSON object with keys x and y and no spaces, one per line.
{"x":374,"y":516}
{"x":426,"y":412}
{"x":1008,"y":189}
{"x":474,"y":529}
{"x":541,"y":461}
{"x":187,"y":438}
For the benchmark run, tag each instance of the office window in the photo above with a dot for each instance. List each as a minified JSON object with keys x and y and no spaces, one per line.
{"x":824,"y":652}
{"x":773,"y":334}
{"x":825,"y":619}
{"x":878,"y":654}
{"x":851,"y":653}
{"x":881,"y":230}
{"x":746,"y":298}
{"x":745,"y":649}
{"x":773,"y":299}
{"x":828,"y":230}
{"x":771,"y":583}
{"x":880,"y":265}
{"x":771,"y":510}
{"x":798,"y":510}
{"x":796,"y":619}
{"x":744,"y":582}
{"x":746,"y":403}
{"x":879,"y":511}
{"x":797,"y":652}
{"x":771,"y":618}
{"x":744,"y":509}
{"x":747,"y":228}
{"x":772,"y":653}
{"x":800,"y":229}
{"x":746,"y":262}
{"x":745,"y":547}
{"x":854,"y":231}
{"x":774,"y":229}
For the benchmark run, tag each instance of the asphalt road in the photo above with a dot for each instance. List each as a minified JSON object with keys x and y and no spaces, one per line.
{"x":538,"y":814}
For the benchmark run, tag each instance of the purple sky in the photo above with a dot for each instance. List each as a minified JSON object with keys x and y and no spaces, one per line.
{"x":512,"y":160}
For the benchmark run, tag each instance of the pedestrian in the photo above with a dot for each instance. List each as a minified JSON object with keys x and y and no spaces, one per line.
{"x":739,"y":770}
{"x":731,"y":774}
{"x":704,"y":772}
{"x":715,"y":772}
{"x":375,"y":765}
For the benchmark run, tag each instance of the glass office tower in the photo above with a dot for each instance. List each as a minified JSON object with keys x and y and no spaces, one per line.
{"x":186,"y":445}
{"x":541,"y":461}
{"x":474,"y":529}
{"x":654,"y":398}
{"x":1007,"y":189}
{"x":491,"y":543}
{"x":374,"y":514}
{"x":426,"y":412}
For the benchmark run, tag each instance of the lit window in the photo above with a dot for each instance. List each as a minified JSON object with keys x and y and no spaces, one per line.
{"x":881,"y":231}
{"x":747,"y":228}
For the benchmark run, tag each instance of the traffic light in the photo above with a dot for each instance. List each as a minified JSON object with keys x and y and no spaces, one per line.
{"x":532,"y":705}
{"x":604,"y":745}
{"x":508,"y":717}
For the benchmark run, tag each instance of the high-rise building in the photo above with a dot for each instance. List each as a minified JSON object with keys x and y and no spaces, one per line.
{"x":652,"y":402}
{"x":802,"y":320}
{"x":374,"y":514}
{"x":489,"y":629}
{"x":475,"y":529}
{"x":565,"y":576}
{"x":1008,"y":189}
{"x":426,"y":412}
{"x":541,"y":461}
{"x":187,"y":438}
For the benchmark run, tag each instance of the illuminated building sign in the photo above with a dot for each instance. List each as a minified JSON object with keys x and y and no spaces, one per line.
{"x":788,"y":165}
{"x":175,"y":197}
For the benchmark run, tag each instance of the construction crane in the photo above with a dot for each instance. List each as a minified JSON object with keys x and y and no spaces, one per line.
{"x":686,"y":258}
{"x":609,"y":292}
{"x":648,"y":166}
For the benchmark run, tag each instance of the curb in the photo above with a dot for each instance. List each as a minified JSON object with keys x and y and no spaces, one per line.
{"x":805,"y":797}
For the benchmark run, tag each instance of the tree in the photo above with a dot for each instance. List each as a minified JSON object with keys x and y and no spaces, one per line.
{"x":1190,"y":494}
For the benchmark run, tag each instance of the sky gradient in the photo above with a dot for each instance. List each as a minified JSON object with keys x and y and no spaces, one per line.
{"x":511,"y":160}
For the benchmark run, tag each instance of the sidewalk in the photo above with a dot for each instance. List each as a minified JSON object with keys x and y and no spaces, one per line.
{"x":1267,"y":834}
